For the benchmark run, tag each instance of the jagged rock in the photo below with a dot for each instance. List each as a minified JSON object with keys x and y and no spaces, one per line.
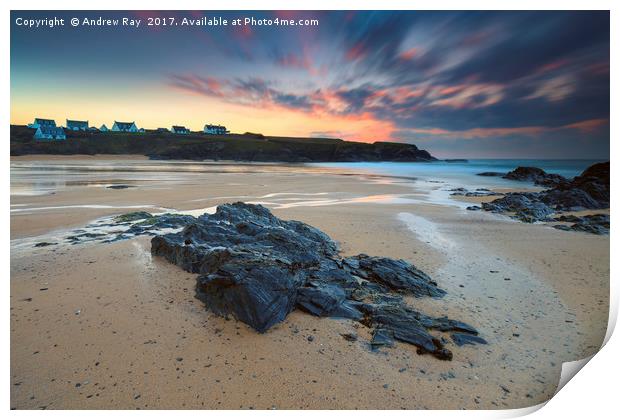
{"x":573,"y":199}
{"x":461,"y":339}
{"x":382,"y":337}
{"x":590,"y":190}
{"x":536,"y":175}
{"x":480,"y":192}
{"x":394,"y":275}
{"x":525,"y":207}
{"x":598,"y":224}
{"x":259,"y":268}
{"x":595,"y":181}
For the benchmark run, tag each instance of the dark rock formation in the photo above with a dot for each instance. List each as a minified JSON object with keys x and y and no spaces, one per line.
{"x":259,"y":268}
{"x":536,"y":175}
{"x":597,"y":224}
{"x":594,"y":182}
{"x":590,"y":190}
{"x":461,"y":339}
{"x":525,"y":206}
{"x":479,"y":192}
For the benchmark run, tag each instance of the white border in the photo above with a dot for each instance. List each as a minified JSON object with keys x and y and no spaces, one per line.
{"x":592,"y":395}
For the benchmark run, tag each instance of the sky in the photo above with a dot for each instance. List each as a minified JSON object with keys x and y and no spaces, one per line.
{"x":458,"y":84}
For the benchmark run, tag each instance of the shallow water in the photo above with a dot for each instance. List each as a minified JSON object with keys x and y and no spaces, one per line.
{"x":430,"y":183}
{"x":464,"y":172}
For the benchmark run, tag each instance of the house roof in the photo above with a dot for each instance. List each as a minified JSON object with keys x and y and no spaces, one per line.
{"x":44,"y":121}
{"x":54,"y":131}
{"x":179,"y":128}
{"x":77,"y":123}
{"x":214,"y":126}
{"x":120,"y":124}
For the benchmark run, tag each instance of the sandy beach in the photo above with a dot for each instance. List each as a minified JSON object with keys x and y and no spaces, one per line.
{"x":98,"y":326}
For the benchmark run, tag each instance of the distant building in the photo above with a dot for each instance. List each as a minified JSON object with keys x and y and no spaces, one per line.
{"x":142,"y":130}
{"x":215,"y":129}
{"x":42,"y":122}
{"x":77,"y":125}
{"x":104,"y":128}
{"x":129,"y":127}
{"x":49,"y":133}
{"x":179,"y":129}
{"x":93,"y":129}
{"x":162,"y":130}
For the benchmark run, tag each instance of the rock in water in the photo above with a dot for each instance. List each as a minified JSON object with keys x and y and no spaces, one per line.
{"x":260,"y":268}
{"x":590,"y":190}
{"x":537,"y":176}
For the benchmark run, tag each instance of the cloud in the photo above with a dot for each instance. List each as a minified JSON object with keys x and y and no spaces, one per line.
{"x":585,"y":126}
{"x":449,"y":75}
{"x":555,"y":89}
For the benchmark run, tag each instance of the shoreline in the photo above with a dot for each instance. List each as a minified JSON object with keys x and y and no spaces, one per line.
{"x":153,"y":316}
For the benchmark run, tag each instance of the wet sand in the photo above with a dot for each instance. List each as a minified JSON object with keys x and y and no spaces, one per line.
{"x":108,"y":326}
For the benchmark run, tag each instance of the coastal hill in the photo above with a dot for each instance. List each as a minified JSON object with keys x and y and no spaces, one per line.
{"x":199,"y":146}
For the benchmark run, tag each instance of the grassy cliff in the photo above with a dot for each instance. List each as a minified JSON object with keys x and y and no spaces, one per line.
{"x":198,"y":146}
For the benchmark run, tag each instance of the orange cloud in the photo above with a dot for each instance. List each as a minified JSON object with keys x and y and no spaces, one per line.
{"x":588,"y":126}
{"x":409,"y":54}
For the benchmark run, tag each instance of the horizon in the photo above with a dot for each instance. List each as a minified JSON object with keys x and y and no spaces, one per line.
{"x":459,"y":85}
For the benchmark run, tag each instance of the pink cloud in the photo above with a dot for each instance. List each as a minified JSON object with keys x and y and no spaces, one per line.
{"x":409,"y":54}
{"x":356,"y":52}
{"x":553,"y":65}
{"x":475,"y":95}
{"x":588,"y":126}
{"x":555,"y":89}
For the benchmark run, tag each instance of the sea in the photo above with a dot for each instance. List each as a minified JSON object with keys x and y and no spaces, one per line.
{"x":465,"y":172}
{"x":47,"y":176}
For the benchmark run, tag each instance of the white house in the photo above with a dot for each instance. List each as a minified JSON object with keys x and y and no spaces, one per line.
{"x":42,"y":122}
{"x":179,"y":129}
{"x":129,"y":127}
{"x":215,"y":129}
{"x":48,"y":133}
{"x":75,"y":125}
{"x":103,"y":128}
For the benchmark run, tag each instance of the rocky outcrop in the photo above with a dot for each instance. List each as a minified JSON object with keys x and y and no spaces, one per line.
{"x":597,"y":224}
{"x":530,"y":174}
{"x":523,"y":206}
{"x":535,"y":175}
{"x":259,"y":268}
{"x":588,"y":191}
{"x":594,"y":182}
